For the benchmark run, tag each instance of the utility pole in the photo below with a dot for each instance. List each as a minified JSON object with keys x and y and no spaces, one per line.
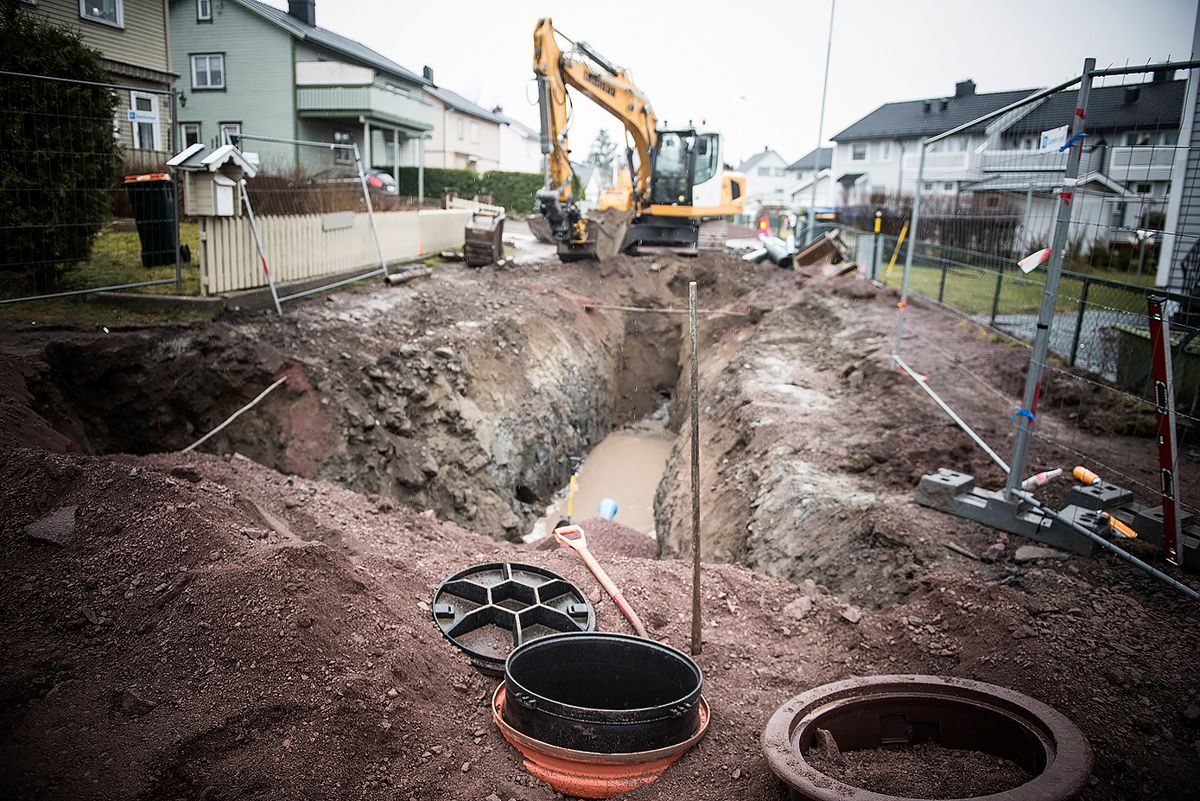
{"x":812,"y":207}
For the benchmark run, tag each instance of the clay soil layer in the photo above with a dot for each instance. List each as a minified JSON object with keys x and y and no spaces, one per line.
{"x":253,"y":622}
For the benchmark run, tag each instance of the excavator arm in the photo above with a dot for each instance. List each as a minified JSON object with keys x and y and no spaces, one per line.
{"x":609,"y":86}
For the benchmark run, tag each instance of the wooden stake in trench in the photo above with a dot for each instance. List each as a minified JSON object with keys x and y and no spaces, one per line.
{"x":695,"y":474}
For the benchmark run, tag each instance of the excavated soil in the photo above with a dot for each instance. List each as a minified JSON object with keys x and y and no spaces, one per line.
{"x":923,"y":771}
{"x":253,"y":621}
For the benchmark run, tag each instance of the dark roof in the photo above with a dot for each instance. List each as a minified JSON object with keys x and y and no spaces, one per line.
{"x":757,"y":157}
{"x":823,"y":161}
{"x":332,"y":41}
{"x":456,"y":101}
{"x":909,"y":118}
{"x":1156,"y":105}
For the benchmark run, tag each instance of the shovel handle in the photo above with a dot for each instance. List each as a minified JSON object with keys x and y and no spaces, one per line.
{"x":573,"y":537}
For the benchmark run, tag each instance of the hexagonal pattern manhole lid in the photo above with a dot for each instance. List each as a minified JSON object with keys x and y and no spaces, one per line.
{"x":488,"y":610}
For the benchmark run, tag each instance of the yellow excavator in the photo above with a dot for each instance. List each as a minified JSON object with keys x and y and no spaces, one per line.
{"x":676,"y":181}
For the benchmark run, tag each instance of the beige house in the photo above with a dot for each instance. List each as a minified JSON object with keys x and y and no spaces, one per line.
{"x":133,"y":38}
{"x":465,"y":136}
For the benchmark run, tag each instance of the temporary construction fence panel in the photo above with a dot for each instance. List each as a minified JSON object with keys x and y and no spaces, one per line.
{"x":301,"y":247}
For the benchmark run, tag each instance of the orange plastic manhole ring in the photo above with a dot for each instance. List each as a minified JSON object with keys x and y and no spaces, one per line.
{"x":587,"y":774}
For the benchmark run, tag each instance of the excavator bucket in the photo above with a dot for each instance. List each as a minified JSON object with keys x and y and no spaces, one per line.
{"x":540,"y":227}
{"x":484,"y":240}
{"x":607,"y":230}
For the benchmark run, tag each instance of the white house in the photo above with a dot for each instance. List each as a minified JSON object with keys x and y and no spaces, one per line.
{"x":814,"y":166}
{"x":593,"y":180}
{"x":520,"y":145}
{"x":1124,"y":172}
{"x":767,"y":179}
{"x":465,"y":135}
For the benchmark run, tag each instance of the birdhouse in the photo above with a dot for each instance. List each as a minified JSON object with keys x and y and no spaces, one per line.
{"x":211,"y":179}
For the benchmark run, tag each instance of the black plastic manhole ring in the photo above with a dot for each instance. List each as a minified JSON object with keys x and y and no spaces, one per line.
{"x":957,"y":713}
{"x":488,"y":610}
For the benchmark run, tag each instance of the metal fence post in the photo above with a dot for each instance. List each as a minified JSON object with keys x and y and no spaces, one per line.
{"x":1083,"y":296}
{"x":908,"y":256}
{"x":942,"y":283}
{"x":362,"y":179}
{"x":1033,"y":378}
{"x":174,"y":142}
{"x":996,"y":297}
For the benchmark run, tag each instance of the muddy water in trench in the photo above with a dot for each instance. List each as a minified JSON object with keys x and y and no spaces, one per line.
{"x":625,"y":466}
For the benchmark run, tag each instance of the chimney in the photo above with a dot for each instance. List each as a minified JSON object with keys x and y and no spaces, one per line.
{"x":427,"y":71}
{"x":964,"y":88}
{"x":498,"y":109}
{"x":1131,"y":95}
{"x":303,"y":10}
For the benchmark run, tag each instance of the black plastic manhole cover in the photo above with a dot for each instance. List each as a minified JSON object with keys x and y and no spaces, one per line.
{"x":488,"y":610}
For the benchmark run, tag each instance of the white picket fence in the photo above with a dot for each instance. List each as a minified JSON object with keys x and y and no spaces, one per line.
{"x":300,"y":247}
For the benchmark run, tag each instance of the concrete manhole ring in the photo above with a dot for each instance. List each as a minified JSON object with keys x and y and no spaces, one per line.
{"x":903,"y":709}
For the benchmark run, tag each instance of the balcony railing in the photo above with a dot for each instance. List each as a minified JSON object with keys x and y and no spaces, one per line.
{"x":368,"y":101}
{"x":1131,"y":164}
{"x":940,"y":164}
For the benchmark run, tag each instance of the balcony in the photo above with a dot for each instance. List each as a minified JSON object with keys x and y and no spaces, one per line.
{"x":940,"y":165}
{"x":373,"y":102}
{"x":1133,"y":164}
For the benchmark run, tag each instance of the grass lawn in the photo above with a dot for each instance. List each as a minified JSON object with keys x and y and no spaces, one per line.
{"x":116,"y":259}
{"x":973,"y":290}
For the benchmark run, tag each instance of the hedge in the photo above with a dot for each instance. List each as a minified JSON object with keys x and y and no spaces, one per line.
{"x":61,"y":156}
{"x":513,"y":190}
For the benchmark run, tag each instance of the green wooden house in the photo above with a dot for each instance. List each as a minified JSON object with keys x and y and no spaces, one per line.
{"x":247,"y":68}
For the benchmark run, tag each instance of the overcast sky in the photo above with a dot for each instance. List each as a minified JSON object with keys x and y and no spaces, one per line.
{"x":754,"y":72}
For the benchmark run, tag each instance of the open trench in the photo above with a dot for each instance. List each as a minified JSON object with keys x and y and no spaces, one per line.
{"x":485,"y":409}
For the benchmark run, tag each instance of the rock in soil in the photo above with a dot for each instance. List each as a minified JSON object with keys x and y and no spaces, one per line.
{"x":58,"y":527}
{"x":927,"y":770}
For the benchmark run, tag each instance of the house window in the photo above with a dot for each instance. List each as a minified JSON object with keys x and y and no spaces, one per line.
{"x":462,"y":129}
{"x":343,"y":155}
{"x":964,"y":144}
{"x":204,"y":10}
{"x":764,"y":172}
{"x":948,"y":186}
{"x":1170,"y":138}
{"x":858,"y":151}
{"x":929,"y":186}
{"x":474,"y":132}
{"x":190,"y":132}
{"x":231,"y":133}
{"x":108,"y":12}
{"x":143,"y":118}
{"x":208,"y":71}
{"x":885,"y":151}
{"x":1142,"y":189}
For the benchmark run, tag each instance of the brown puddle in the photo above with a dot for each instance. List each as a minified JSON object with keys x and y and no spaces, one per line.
{"x":626,"y":466}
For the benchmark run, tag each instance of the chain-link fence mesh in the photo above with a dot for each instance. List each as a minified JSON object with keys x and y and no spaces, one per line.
{"x":86,"y":203}
{"x":1096,"y":405}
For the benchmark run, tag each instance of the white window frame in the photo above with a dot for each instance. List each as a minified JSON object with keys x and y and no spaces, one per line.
{"x":462,"y":129}
{"x":183,"y":135}
{"x":854,"y":151}
{"x":229,"y":125}
{"x":885,"y":151}
{"x":343,"y":155}
{"x":475,"y":132}
{"x":208,"y":70}
{"x":120,"y":23}
{"x":204,"y":10}
{"x":135,"y":125}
